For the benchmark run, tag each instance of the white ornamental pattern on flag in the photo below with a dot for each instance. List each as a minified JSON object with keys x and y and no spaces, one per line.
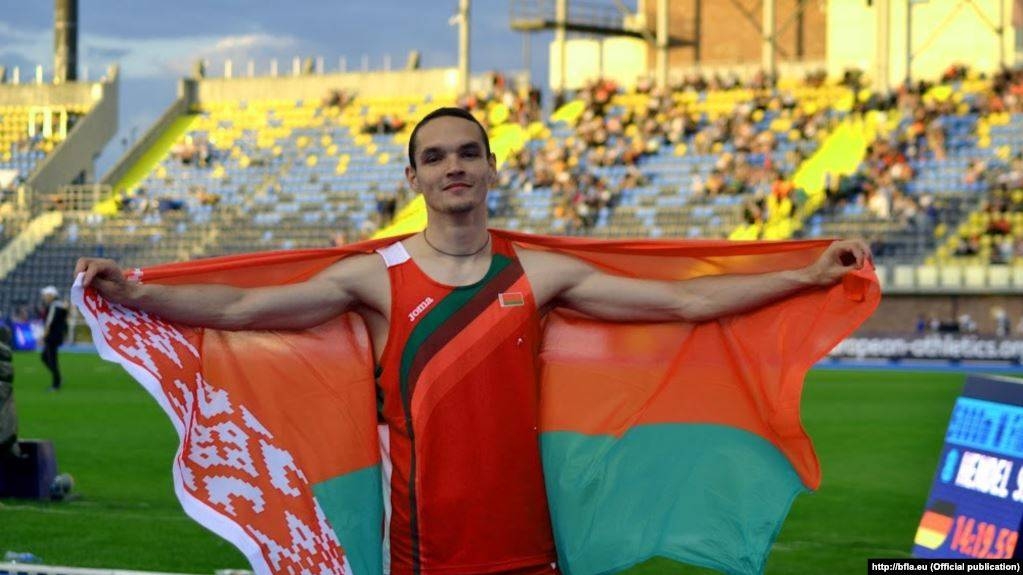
{"x":229,"y":470}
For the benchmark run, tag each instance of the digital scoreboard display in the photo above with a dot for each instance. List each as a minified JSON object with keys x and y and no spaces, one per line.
{"x":975,"y":507}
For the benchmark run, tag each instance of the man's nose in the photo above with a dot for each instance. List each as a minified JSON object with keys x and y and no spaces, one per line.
{"x":454,"y":165}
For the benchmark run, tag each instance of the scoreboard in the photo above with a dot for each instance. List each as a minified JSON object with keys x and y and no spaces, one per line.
{"x":975,"y":507}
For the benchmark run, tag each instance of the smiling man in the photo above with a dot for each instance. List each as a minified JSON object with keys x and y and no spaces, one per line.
{"x":454,"y":315}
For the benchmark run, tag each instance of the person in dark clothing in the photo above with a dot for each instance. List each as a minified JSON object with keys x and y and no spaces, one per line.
{"x":8,"y":417}
{"x":55,"y":318}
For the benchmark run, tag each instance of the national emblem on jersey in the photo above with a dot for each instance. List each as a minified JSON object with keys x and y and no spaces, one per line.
{"x":511,"y":299}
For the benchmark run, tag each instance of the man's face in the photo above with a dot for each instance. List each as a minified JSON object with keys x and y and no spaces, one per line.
{"x":452,"y":169}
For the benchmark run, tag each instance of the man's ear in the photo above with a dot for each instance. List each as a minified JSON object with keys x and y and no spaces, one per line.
{"x":411,"y":177}
{"x":492,"y":161}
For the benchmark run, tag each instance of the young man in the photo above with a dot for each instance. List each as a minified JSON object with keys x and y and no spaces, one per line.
{"x":467,"y":493}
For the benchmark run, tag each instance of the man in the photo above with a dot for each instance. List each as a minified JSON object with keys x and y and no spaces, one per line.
{"x":466,"y":488}
{"x":54,"y":331}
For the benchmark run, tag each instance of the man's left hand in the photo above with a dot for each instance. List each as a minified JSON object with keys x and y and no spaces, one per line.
{"x":840,"y":258}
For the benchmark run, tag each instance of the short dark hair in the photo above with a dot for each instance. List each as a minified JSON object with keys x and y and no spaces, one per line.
{"x":440,"y":113}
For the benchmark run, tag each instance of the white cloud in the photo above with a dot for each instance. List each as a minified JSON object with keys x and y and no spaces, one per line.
{"x":30,"y":45}
{"x":249,"y":41}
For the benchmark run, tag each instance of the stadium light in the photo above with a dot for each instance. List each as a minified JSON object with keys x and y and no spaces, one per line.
{"x":462,"y":18}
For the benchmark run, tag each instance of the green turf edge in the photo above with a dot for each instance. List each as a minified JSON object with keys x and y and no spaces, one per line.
{"x":878,"y":435}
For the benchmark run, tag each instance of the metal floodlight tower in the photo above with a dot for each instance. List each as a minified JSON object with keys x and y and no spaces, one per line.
{"x":65,"y":41}
{"x":463,"y":46}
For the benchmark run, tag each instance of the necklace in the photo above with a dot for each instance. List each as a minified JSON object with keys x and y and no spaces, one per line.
{"x":438,"y":250}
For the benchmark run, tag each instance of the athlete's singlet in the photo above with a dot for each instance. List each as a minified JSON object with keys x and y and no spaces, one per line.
{"x":459,"y":399}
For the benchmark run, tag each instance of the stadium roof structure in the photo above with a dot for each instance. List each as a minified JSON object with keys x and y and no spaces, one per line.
{"x":585,"y":17}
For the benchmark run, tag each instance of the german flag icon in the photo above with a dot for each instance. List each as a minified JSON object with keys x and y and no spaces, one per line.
{"x":935,"y":524}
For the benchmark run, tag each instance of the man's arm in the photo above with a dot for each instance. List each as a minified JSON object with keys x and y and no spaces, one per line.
{"x":567,"y":281}
{"x":330,"y":293}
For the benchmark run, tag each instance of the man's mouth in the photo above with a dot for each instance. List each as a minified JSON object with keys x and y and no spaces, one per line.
{"x":457,"y":186}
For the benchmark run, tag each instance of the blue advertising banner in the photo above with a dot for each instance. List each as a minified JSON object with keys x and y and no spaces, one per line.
{"x":976,"y":502}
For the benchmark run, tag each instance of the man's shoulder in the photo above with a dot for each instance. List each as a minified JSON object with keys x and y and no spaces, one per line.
{"x":543,"y":259}
{"x":550,"y":272}
{"x":366,"y":266}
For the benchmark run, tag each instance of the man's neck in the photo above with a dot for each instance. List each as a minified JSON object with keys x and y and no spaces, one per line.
{"x":456,"y":235}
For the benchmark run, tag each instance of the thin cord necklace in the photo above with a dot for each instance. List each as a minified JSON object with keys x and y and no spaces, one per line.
{"x":438,"y":250}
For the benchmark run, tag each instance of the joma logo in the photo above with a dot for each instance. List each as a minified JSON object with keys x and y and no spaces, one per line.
{"x":420,"y":309}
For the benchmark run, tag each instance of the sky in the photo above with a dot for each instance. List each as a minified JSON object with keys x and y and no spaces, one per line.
{"x":157,"y":42}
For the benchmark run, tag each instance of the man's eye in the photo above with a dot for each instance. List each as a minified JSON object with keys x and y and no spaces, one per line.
{"x":431,"y":159}
{"x":470,"y":154}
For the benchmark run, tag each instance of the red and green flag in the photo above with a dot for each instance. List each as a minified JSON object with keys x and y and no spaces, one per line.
{"x":673,"y":440}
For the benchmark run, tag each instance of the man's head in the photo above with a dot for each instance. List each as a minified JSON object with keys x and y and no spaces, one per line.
{"x":49,"y":293}
{"x":450,"y":162}
{"x":442,"y":113}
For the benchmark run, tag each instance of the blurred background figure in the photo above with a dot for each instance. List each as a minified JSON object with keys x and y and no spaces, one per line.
{"x":54,"y":311}
{"x":8,"y":417}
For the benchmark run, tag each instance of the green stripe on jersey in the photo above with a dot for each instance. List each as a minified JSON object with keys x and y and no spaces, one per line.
{"x":436,"y":317}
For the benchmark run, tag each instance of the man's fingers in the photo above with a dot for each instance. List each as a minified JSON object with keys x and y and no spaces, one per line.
{"x":847,"y":257}
{"x":93,"y":270}
{"x":854,"y":254}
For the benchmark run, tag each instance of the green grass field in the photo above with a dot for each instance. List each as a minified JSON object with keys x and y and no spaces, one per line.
{"x":878,"y":435}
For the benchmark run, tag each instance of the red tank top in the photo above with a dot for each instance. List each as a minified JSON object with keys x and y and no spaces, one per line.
{"x":459,"y":402}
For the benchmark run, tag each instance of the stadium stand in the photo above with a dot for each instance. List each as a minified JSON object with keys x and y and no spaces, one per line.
{"x":280,"y":174}
{"x":711,"y":158}
{"x":247,"y":176}
{"x":992,"y":234}
{"x":27,"y":135}
{"x":49,"y":137}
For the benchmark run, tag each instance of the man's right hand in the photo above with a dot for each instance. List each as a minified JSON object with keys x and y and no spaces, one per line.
{"x":106,"y":278}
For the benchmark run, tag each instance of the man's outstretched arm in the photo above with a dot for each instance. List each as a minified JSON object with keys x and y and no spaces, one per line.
{"x":295,"y":306}
{"x":567,"y":281}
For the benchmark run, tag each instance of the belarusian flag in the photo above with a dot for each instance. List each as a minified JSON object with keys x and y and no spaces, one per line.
{"x":671,"y":440}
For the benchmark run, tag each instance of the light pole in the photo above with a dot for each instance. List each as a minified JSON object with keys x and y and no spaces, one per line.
{"x":463,"y":46}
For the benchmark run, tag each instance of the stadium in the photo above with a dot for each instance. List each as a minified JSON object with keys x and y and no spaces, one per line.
{"x":727,"y":122}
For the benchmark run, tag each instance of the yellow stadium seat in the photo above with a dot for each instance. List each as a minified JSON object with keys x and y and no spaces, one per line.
{"x":975,"y":276}
{"x":999,"y":276}
{"x":903,"y":276}
{"x":927,"y":276}
{"x":951,"y":276}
